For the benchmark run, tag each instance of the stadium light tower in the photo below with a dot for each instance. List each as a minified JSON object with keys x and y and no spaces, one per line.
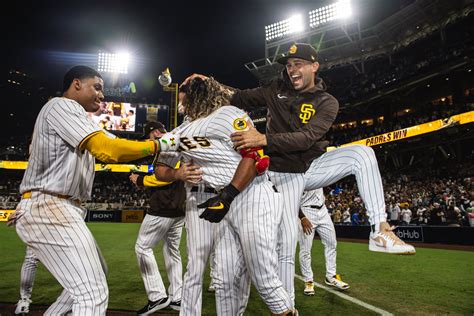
{"x":280,"y":29}
{"x":336,"y":11}
{"x":330,"y":29}
{"x":113,"y":63}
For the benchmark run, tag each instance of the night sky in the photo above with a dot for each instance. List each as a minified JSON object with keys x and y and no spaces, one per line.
{"x":45,"y":38}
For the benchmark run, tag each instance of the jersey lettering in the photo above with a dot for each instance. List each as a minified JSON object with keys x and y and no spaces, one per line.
{"x":195,"y":142}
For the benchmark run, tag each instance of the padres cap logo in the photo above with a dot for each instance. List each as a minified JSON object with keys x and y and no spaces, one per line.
{"x":240,"y":124}
{"x":293,"y":49}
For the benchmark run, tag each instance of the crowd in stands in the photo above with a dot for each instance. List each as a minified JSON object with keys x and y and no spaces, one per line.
{"x":113,"y":188}
{"x":9,"y":195}
{"x":425,"y":196}
{"x":417,"y":198}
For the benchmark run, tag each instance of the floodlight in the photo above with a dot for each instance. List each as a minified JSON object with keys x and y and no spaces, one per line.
{"x":295,"y":24}
{"x":336,"y":11}
{"x":114,"y":63}
{"x":279,"y":29}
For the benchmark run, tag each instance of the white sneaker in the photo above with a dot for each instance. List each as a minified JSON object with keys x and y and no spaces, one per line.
{"x":386,"y":241}
{"x":337,"y":282}
{"x":23,"y":306}
{"x":308,"y":288}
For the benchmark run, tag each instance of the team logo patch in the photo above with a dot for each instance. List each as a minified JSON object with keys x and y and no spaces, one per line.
{"x":307,"y":112}
{"x":293,"y":49}
{"x":240,"y":124}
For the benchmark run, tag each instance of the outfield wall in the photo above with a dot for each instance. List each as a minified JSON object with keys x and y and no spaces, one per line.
{"x":428,"y":234}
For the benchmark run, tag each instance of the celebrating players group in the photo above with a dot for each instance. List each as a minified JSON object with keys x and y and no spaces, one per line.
{"x":249,"y":196}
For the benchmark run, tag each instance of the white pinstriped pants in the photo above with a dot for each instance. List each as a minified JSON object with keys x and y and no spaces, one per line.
{"x":246,"y":248}
{"x":55,"y":229}
{"x":28,"y":273}
{"x":152,"y":230}
{"x":325,"y":170}
{"x":199,"y":245}
{"x":322,"y":224}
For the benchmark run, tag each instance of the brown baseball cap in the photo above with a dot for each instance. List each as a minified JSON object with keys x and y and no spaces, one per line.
{"x":299,"y":50}
{"x":151,"y":126}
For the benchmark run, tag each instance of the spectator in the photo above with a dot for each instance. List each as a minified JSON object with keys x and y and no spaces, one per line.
{"x":405,"y":214}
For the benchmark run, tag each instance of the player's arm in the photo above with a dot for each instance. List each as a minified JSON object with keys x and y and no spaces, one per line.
{"x":113,"y":150}
{"x":244,"y":99}
{"x":188,"y":172}
{"x":253,"y":163}
{"x":147,"y":181}
{"x":299,"y":140}
{"x":305,"y":223}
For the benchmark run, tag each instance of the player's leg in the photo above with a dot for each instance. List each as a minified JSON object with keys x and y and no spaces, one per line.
{"x":174,"y":266}
{"x":306,"y":243}
{"x":290,"y":186}
{"x":199,"y":243}
{"x":254,"y":217}
{"x":212,"y":267}
{"x":327,"y":232}
{"x":152,"y":230}
{"x":361,"y":162}
{"x":227,"y":257}
{"x":62,"y":305}
{"x":27,"y":279}
{"x":56,"y":231}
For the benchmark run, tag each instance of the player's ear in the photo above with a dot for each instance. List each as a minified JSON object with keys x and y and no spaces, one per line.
{"x":77,"y":84}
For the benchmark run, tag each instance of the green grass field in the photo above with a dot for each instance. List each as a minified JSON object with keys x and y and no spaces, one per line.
{"x":431,"y":282}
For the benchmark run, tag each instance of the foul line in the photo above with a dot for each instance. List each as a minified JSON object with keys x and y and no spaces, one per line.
{"x":349,"y":298}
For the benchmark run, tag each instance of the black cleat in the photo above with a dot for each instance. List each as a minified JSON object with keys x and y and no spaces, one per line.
{"x":152,"y":307}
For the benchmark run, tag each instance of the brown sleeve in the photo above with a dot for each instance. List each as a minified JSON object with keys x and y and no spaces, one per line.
{"x":249,"y":98}
{"x":304,"y":138}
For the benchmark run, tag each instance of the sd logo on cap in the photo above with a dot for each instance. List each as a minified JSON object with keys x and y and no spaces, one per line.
{"x":299,"y":50}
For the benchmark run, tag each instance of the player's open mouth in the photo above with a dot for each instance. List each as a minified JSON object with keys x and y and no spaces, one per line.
{"x":296,"y":79}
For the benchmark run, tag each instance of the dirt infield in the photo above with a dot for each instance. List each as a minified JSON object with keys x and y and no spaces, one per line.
{"x":8,"y":309}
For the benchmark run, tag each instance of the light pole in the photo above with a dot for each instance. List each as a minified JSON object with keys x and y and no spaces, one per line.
{"x":169,"y":86}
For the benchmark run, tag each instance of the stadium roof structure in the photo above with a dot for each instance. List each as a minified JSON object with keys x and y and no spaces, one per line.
{"x":345,"y":42}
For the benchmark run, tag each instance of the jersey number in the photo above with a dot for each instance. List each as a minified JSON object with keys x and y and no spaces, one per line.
{"x":195,"y":142}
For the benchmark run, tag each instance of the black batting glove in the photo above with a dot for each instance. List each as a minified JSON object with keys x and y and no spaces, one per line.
{"x":217,"y":206}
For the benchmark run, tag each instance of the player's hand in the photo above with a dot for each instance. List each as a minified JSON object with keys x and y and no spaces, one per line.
{"x":248,"y":139}
{"x":190,"y":173}
{"x":133,"y":178}
{"x":14,"y":217}
{"x":189,"y":78}
{"x":169,"y":142}
{"x":219,"y":205}
{"x":307,"y":226}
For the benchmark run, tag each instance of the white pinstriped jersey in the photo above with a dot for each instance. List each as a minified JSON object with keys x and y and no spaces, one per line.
{"x":56,"y":165}
{"x":313,"y":197}
{"x":207,"y":142}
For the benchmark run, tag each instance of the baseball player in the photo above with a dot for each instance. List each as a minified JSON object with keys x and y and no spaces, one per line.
{"x":314,"y":216}
{"x":164,"y":221}
{"x":199,"y":233}
{"x":206,"y":140}
{"x":300,"y":113}
{"x":27,"y":279}
{"x":60,"y":172}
